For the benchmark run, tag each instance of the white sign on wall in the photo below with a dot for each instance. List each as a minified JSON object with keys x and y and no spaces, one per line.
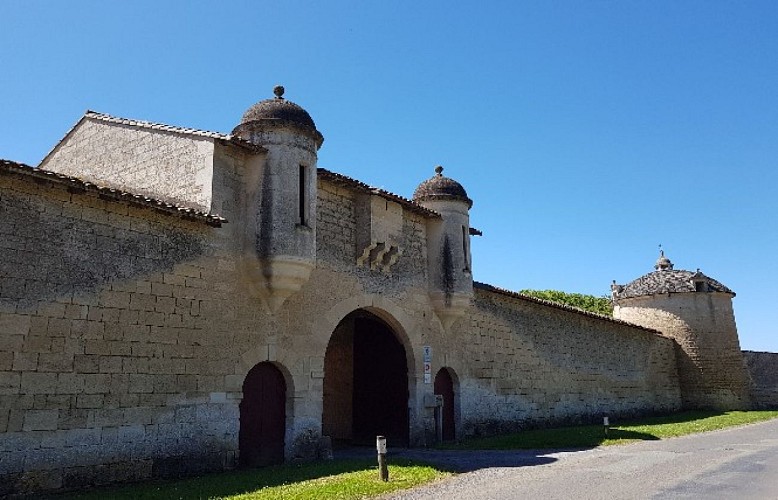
{"x":427,"y":364}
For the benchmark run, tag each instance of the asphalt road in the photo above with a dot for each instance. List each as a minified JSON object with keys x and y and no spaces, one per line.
{"x":736,"y":463}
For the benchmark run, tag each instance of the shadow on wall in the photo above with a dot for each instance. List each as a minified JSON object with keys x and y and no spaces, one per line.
{"x":55,"y":256}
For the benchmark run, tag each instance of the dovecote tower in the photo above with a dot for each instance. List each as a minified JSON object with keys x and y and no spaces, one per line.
{"x":280,"y":243}
{"x":448,"y":245}
{"x":696,"y":311}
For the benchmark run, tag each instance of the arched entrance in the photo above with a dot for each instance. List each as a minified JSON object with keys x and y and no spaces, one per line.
{"x":262,"y":416}
{"x":365,"y":383}
{"x":444,"y":386}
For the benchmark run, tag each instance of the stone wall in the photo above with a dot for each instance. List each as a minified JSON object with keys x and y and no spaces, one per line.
{"x":126,"y":335}
{"x":160,"y":164}
{"x":524,"y":363}
{"x":107,"y":368}
{"x":763,"y":368}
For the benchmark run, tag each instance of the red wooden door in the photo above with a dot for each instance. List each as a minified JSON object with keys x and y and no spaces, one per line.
{"x":262,"y":417}
{"x":444,"y":385}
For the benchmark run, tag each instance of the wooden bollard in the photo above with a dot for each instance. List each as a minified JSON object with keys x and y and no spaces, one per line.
{"x":383,"y":470}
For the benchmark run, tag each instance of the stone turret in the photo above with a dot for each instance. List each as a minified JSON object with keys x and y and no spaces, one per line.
{"x":448,"y":246}
{"x":281,"y":240}
{"x":696,"y":311}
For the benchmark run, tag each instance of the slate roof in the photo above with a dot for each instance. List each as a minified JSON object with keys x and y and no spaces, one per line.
{"x":360,"y":186}
{"x":667,"y":281}
{"x":8,"y":167}
{"x":440,"y":187}
{"x":527,"y":298}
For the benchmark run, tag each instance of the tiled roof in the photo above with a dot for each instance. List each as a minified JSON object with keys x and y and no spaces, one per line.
{"x":356,"y":185}
{"x":439,"y":187}
{"x":564,"y":307}
{"x":667,"y":281}
{"x":170,"y":128}
{"x":8,"y":167}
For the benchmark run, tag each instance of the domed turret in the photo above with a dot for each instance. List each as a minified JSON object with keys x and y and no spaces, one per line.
{"x":448,"y":244}
{"x":663,"y":263}
{"x":696,"y":311}
{"x":281,"y":244}
{"x":277,"y":112}
{"x":440,"y":188}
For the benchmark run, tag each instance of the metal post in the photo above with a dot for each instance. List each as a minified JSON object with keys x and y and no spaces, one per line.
{"x":383,"y":470}
{"x":605,"y":424}
{"x":439,"y":418}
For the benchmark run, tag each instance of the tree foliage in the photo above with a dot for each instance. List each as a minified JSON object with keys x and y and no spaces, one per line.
{"x":599,"y":305}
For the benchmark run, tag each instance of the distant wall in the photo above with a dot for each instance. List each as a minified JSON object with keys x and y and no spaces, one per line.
{"x":528,"y":363}
{"x":763,"y":368}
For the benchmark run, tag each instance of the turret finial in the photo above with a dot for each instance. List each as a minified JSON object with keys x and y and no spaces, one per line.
{"x":663,"y":263}
{"x":278,"y":90}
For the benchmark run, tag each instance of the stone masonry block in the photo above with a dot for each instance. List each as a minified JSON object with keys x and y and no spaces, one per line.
{"x":38,"y":383}
{"x":86,"y":363}
{"x":14,"y":324}
{"x":25,"y":361}
{"x":10,"y":383}
{"x":40,"y":420}
{"x":89,"y":401}
{"x":55,"y":362}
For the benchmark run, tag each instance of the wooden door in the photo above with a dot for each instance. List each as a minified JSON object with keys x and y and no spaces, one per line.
{"x":444,"y":385}
{"x":262,"y":417}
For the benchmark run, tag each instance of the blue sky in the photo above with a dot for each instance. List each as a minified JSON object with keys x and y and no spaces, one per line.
{"x":587,"y":133}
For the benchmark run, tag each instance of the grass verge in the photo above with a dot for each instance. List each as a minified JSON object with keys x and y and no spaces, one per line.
{"x":644,"y":429}
{"x":340,"y":479}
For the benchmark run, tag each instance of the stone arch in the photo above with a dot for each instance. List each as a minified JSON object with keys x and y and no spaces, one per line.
{"x":263,"y":416}
{"x":368,"y":373}
{"x":267,"y":353}
{"x":446,"y":384}
{"x":388,"y":312}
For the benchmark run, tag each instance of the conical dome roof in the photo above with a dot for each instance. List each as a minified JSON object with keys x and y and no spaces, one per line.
{"x":668,"y":280}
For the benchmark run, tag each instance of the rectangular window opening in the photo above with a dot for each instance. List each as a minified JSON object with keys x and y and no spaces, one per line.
{"x":301,"y":196}
{"x":464,"y":248}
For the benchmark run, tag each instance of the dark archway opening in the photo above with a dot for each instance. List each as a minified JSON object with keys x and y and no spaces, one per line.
{"x":365,"y":383}
{"x":262,"y":417}
{"x":444,"y":386}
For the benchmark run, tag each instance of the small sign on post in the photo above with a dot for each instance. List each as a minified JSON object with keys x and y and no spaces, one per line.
{"x":383,"y":470}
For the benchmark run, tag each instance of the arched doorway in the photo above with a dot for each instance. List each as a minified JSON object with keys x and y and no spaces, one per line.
{"x":262,"y":416}
{"x":444,"y":386}
{"x":365,"y":383}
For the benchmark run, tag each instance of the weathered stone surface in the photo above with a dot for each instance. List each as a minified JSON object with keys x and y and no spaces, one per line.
{"x":763,"y":369}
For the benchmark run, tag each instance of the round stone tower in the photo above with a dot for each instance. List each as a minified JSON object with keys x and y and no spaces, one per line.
{"x":282,"y":245}
{"x":448,"y":245}
{"x":696,"y":311}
